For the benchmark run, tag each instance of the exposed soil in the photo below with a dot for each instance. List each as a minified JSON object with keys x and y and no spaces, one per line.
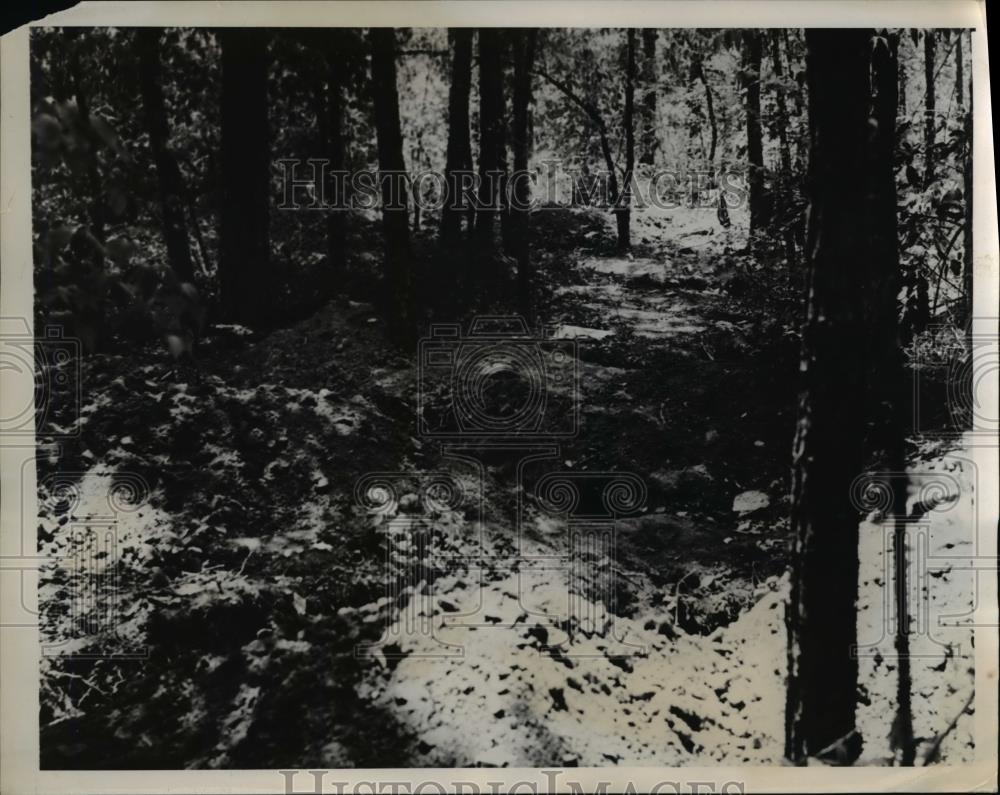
{"x":253,"y":568}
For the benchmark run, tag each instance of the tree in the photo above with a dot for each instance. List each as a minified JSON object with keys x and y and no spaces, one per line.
{"x":752,"y":55}
{"x":959,"y":69}
{"x":784,"y":152}
{"x":459,"y":152}
{"x":698,"y":73}
{"x":615,"y":195}
{"x":624,"y":214}
{"x":781,"y":107}
{"x":650,"y":141}
{"x":885,"y":372}
{"x":331,"y":129}
{"x":334,"y":52}
{"x":392,"y":180}
{"x":967,"y":261}
{"x":95,"y":211}
{"x":170,"y":183}
{"x":491,"y":123}
{"x":901,"y":65}
{"x":245,"y":274}
{"x":850,"y":252}
{"x":524,"y":56}
{"x":930,"y":47}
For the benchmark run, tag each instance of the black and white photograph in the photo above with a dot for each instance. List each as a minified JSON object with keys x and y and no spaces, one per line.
{"x":562,"y":396}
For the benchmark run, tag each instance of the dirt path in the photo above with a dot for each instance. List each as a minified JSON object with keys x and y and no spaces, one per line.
{"x":689,"y":657}
{"x":649,"y":655}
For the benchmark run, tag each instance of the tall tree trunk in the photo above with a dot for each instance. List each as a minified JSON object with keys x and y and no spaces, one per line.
{"x":650,"y":141}
{"x":969,"y":190}
{"x":967,"y":261}
{"x":524,"y":56}
{"x":781,"y":107}
{"x":415,"y":153}
{"x":902,"y":79}
{"x":392,"y":172}
{"x":930,"y":47}
{"x":713,"y":126}
{"x":245,"y":274}
{"x":959,"y":71}
{"x":790,"y":60}
{"x":623,"y":216}
{"x":800,"y":144}
{"x":886,"y":374}
{"x":828,"y":452}
{"x":328,"y":46}
{"x":752,"y":55}
{"x":784,"y":153}
{"x":170,"y":183}
{"x":459,"y":153}
{"x":506,"y":87}
{"x":336,"y":153}
{"x":95,"y":211}
{"x":490,"y":136}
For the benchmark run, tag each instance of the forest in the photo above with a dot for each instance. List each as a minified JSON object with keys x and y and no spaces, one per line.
{"x":502,"y":396}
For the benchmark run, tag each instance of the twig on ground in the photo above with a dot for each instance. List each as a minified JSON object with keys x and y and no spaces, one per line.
{"x":244,"y":564}
{"x":932,"y":754}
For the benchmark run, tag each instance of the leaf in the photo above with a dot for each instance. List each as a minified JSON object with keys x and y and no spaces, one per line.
{"x":299,"y":602}
{"x":59,"y":237}
{"x":105,"y":132}
{"x":47,"y":131}
{"x":179,"y":344}
{"x":117,"y":201}
{"x":119,"y":250}
{"x":750,"y":501}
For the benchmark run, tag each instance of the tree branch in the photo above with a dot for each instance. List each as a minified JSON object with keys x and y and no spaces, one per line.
{"x":595,"y":116}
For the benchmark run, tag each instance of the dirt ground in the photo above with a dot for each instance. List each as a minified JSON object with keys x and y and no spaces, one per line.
{"x":687,"y":361}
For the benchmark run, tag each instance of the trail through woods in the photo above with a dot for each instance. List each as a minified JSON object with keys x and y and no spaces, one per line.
{"x":253,"y":577}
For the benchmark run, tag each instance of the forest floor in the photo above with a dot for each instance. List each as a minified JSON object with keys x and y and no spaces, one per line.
{"x":252,"y":575}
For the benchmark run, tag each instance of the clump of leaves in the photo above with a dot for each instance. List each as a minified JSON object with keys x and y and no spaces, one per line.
{"x":92,"y":284}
